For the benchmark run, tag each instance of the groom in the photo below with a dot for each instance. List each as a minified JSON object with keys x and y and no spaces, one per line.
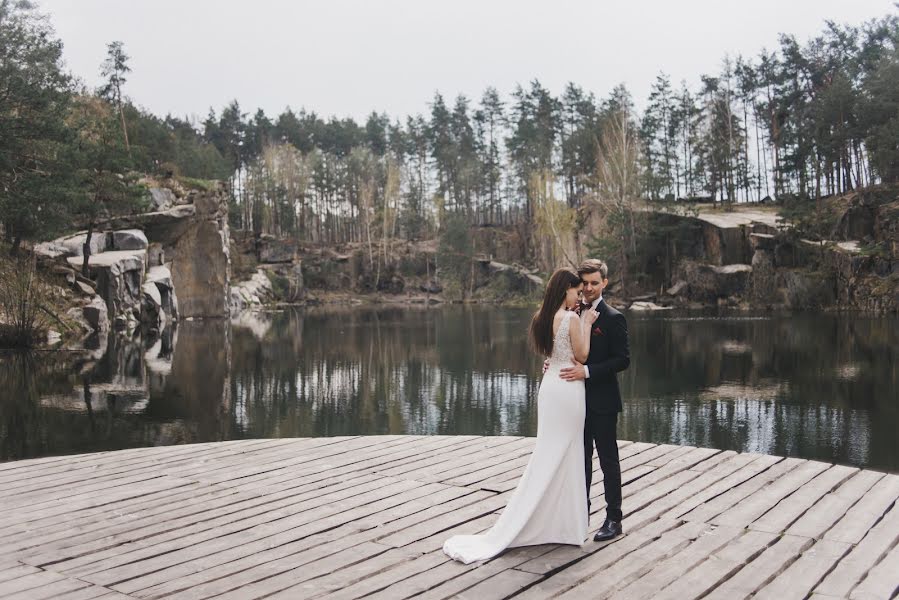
{"x":609,"y":354}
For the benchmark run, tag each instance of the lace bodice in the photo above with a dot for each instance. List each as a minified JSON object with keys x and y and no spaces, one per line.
{"x":563,"y":353}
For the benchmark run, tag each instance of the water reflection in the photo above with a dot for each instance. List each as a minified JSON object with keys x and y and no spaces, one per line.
{"x":821,"y":386}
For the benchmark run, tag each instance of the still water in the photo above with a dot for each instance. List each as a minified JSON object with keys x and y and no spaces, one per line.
{"x":813,"y":386}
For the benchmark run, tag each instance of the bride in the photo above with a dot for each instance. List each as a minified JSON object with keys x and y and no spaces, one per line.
{"x":549,"y":505}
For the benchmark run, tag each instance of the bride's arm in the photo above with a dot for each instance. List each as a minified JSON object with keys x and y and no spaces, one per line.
{"x":579,"y":330}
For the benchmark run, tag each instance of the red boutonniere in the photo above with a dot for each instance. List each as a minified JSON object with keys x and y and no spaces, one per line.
{"x":597,"y":331}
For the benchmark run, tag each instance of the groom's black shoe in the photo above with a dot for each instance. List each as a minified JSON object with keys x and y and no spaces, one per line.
{"x":609,"y":530}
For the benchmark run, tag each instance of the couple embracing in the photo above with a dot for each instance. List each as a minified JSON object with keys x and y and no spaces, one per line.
{"x":577,"y":410}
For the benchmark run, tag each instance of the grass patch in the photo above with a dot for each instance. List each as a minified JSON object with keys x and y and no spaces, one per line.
{"x":203,"y":185}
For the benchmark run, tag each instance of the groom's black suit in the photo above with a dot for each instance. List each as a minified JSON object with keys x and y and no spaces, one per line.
{"x":609,"y":354}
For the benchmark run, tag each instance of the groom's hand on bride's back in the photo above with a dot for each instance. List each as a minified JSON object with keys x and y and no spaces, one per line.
{"x":573,"y":373}
{"x":545,"y":365}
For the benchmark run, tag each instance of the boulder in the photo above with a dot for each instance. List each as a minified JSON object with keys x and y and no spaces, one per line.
{"x":119,"y":276}
{"x":162,"y":198}
{"x":52,"y":250}
{"x":251,"y":293}
{"x":84,"y":288}
{"x":129,"y":239}
{"x":648,"y":306}
{"x":97,"y":315}
{"x":74,"y":244}
{"x":707,"y":283}
{"x":161,"y":277}
{"x":155,"y":255}
{"x":152,"y":314}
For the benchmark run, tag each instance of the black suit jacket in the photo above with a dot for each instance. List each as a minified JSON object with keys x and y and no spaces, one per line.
{"x":609,"y":354}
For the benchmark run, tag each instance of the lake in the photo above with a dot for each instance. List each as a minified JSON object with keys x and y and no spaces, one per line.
{"x":818,"y":386}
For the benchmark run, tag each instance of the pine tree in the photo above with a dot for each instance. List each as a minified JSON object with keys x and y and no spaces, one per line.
{"x":114,"y":69}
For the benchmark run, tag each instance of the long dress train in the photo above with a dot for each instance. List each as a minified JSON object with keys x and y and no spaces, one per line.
{"x":549,"y":505}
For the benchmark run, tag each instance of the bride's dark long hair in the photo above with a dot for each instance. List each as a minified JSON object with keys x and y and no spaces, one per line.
{"x":540,"y":333}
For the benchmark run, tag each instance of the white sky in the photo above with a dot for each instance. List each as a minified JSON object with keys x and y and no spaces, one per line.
{"x":349,"y":57}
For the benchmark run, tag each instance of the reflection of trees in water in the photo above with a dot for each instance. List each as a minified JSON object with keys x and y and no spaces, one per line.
{"x":813,"y":386}
{"x":397,"y":370}
{"x":816,"y":386}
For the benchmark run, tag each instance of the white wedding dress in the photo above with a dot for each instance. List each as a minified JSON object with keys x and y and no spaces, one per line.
{"x":549,"y":506}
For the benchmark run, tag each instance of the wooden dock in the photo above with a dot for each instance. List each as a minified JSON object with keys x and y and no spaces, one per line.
{"x":365,"y":517}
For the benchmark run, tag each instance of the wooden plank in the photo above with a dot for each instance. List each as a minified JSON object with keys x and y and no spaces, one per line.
{"x":767,"y":497}
{"x":713,"y":507}
{"x":831,"y":508}
{"x":882,"y":581}
{"x":863,"y":556}
{"x":717,"y":568}
{"x":798,"y":580}
{"x":93,"y":592}
{"x":339,"y":578}
{"x":16,"y":571}
{"x":29,"y":582}
{"x":290,"y":523}
{"x":859,"y":519}
{"x":387,"y":579}
{"x":495,"y":578}
{"x":675,"y":566}
{"x":476,"y":450}
{"x":583,"y":563}
{"x":285,"y":576}
{"x":727,"y":474}
{"x":763,"y":569}
{"x":254,"y":553}
{"x":638,"y":563}
{"x":52,"y":590}
{"x":352,"y":517}
{"x":501,"y":585}
{"x":258,"y":514}
{"x":176,"y":520}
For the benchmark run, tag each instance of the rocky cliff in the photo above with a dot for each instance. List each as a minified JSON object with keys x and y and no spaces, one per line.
{"x":154,"y":268}
{"x":752,"y":259}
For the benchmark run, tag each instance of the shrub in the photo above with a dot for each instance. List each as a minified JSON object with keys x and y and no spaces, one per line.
{"x":23,"y":299}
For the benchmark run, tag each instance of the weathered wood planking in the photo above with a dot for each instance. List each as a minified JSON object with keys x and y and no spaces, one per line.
{"x":366,"y":516}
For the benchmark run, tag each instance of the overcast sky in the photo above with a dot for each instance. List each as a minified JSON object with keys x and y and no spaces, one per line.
{"x":349,"y":57}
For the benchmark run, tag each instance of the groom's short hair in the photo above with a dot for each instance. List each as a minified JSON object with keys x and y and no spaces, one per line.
{"x":593,"y":265}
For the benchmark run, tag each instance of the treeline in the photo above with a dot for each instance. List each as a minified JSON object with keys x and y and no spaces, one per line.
{"x":806,"y":120}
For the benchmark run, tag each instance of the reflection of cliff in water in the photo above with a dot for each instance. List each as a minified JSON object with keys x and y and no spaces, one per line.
{"x":119,"y":393}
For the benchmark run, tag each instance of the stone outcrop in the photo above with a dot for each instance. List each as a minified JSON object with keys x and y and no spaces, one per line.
{"x":138,"y":262}
{"x":74,"y":244}
{"x":119,"y":276}
{"x":273,"y":250}
{"x":252,"y":293}
{"x":708,"y":283}
{"x":201,"y":270}
{"x":191,"y":236}
{"x":644,"y":306}
{"x":129,"y":239}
